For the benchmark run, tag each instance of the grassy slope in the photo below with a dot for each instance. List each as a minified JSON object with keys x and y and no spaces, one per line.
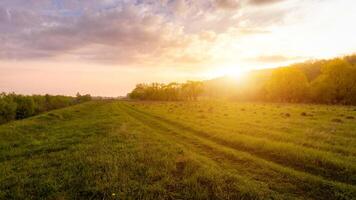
{"x":180,"y":150}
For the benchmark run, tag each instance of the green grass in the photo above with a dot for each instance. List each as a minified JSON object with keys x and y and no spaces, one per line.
{"x":181,"y":150}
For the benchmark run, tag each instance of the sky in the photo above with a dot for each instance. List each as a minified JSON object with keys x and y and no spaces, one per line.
{"x":105,"y":47}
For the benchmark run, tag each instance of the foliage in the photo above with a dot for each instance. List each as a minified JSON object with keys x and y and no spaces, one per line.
{"x":167,"y":92}
{"x":336,"y":84}
{"x":287,"y":85}
{"x":320,"y":81}
{"x":25,"y":106}
{"x":82,"y":98}
{"x":14,"y":106}
{"x":7,"y":108}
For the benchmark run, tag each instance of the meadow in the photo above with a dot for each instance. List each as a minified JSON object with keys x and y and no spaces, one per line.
{"x":181,"y":150}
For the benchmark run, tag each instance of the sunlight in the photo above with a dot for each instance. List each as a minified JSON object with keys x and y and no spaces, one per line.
{"x":233,"y":72}
{"x":177,"y":99}
{"x":236,"y":73}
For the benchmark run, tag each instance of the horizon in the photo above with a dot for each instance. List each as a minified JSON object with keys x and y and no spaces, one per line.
{"x":105,"y":48}
{"x":177,"y":99}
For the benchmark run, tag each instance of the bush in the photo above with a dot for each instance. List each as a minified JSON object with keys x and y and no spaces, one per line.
{"x":25,"y":106}
{"x":7,"y":110}
{"x":83,"y":98}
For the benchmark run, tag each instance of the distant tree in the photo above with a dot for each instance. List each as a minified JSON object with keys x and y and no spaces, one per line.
{"x":351,"y":59}
{"x":192,"y":89}
{"x":311,"y":69}
{"x":287,"y":85}
{"x":320,"y":81}
{"x":13,"y":106}
{"x":167,"y":92}
{"x":138,"y":92}
{"x":25,"y":106}
{"x":83,"y":98}
{"x":7,"y":108}
{"x":40,"y":103}
{"x":336,"y":84}
{"x":172,"y":91}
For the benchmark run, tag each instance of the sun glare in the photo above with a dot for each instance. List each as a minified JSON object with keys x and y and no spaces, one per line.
{"x":236,"y":73}
{"x":233,"y":72}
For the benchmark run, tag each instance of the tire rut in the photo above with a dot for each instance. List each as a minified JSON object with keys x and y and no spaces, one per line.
{"x":305,"y":182}
{"x":334,"y":172}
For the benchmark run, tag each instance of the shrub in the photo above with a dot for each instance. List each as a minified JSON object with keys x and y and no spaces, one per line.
{"x":7,"y":110}
{"x":25,"y":106}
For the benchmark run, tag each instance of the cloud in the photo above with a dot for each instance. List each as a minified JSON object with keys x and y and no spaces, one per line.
{"x":126,"y":35}
{"x":235,"y":4}
{"x":227,"y":4}
{"x":146,"y":32}
{"x":273,"y":59}
{"x":264,"y":2}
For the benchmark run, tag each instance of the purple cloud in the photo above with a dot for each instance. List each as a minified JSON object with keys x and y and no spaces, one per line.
{"x":127,"y":32}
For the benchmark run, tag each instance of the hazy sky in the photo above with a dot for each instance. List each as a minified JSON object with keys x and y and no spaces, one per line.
{"x":105,"y":47}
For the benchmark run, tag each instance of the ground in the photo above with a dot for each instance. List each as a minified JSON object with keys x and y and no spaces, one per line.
{"x":181,"y":150}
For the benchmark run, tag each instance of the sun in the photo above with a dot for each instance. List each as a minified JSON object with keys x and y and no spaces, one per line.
{"x":236,"y":73}
{"x":233,"y":72}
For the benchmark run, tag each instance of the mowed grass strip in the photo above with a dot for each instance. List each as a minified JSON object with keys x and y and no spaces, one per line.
{"x":267,"y":121}
{"x":97,"y":151}
{"x":113,"y":150}
{"x":311,"y":185}
{"x":326,"y":164}
{"x":306,"y":136}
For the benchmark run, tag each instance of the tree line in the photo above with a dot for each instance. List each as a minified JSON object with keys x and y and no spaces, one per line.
{"x":190,"y":90}
{"x":335,"y":84}
{"x":324,"y":81}
{"x":14,"y":106}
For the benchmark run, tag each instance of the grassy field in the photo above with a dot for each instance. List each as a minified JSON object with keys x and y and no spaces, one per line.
{"x":181,"y":150}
